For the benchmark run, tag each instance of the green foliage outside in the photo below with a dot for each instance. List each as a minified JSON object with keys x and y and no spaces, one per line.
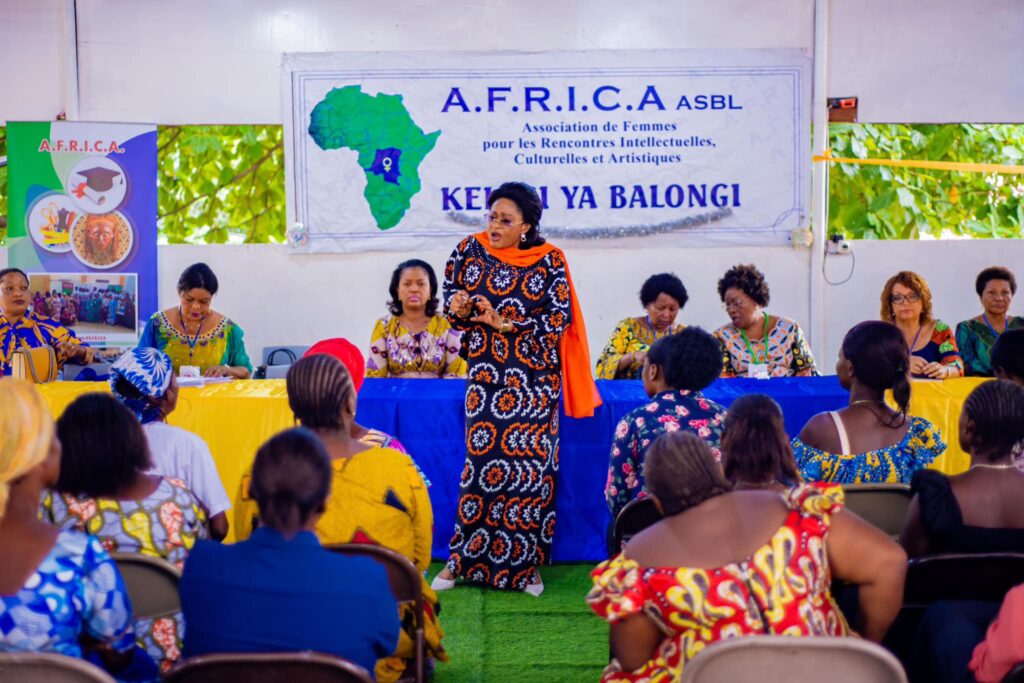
{"x":882,"y":202}
{"x":221,"y":184}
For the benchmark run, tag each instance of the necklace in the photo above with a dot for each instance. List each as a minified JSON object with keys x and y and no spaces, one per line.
{"x":194,"y":340}
{"x":987,"y":466}
{"x":914,"y":343}
{"x":654,"y":332}
{"x":866,"y":401}
{"x":764,"y":336}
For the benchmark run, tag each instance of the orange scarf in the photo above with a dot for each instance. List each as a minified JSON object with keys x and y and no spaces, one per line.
{"x":579,"y":390}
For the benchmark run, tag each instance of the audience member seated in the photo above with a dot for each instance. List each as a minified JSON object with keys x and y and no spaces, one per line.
{"x":377,"y":496}
{"x":280,"y":591}
{"x":352,"y":358}
{"x":996,"y":287}
{"x":1008,"y":356}
{"x":143,"y":380}
{"x":757,"y":344}
{"x":755,"y":447}
{"x":724,"y":564}
{"x":1003,"y":647}
{"x":21,"y":328}
{"x":59,"y":590}
{"x":104,"y":490}
{"x":675,"y":371}
{"x":662,"y":296}
{"x":978,"y":511}
{"x":867,"y":441}
{"x":414,"y":341}
{"x":194,"y":334}
{"x":907,"y":303}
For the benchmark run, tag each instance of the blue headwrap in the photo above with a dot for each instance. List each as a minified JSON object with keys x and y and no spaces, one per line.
{"x":149,"y":371}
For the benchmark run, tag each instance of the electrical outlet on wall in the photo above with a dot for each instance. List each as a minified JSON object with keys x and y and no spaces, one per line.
{"x":838,"y":245}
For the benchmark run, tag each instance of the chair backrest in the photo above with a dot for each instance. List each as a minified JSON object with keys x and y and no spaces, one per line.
{"x":984,"y":576}
{"x":274,"y":667}
{"x":883,"y":505}
{"x":152,"y":584}
{"x":1016,"y":675}
{"x":632,"y":519}
{"x":406,"y":585}
{"x":276,"y":371}
{"x":38,"y":667}
{"x":784,"y":659}
{"x":283,"y":354}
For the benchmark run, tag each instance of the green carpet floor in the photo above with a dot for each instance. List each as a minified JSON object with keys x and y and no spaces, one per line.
{"x":509,"y":637}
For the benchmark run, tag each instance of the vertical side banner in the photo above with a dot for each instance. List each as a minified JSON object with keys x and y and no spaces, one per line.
{"x":82,"y":223}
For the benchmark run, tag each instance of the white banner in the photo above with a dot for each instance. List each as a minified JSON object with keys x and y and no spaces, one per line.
{"x":398,"y":150}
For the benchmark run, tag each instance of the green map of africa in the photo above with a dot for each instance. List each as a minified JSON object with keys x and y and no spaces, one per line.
{"x":391,"y":146}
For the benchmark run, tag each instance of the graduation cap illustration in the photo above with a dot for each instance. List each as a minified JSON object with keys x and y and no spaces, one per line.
{"x":98,"y":178}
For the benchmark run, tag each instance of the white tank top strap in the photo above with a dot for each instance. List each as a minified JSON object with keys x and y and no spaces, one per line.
{"x":844,"y":440}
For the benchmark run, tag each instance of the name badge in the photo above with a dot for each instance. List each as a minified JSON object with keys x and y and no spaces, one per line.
{"x":758,"y":371}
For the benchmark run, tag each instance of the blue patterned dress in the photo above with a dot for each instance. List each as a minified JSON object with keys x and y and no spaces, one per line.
{"x":669,"y":411}
{"x":75,"y":591}
{"x":506,"y":512}
{"x":893,"y":465}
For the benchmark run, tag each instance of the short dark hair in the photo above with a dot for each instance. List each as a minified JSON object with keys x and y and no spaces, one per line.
{"x":104,"y":447}
{"x":525,"y":197}
{"x":691,"y":359}
{"x":318,"y":388}
{"x":291,"y":478}
{"x":880,"y":359}
{"x":8,"y":271}
{"x":997,"y":410}
{"x":663,"y":283}
{"x":198,"y":276}
{"x":755,"y":447}
{"x":1008,"y":353}
{"x":995,"y":273}
{"x":395,"y":305}
{"x":748,"y":279}
{"x":681,"y":472}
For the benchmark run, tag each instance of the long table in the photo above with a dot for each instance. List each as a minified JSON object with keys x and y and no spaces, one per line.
{"x":427,"y":415}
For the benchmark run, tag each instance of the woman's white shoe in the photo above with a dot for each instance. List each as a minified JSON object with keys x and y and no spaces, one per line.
{"x":439,"y":584}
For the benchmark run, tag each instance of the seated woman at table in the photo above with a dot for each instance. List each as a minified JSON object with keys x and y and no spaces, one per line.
{"x":23,"y":328}
{"x":662,"y":296}
{"x":235,"y":597}
{"x":377,"y":496}
{"x":755,"y":447}
{"x":757,"y":344}
{"x":675,"y":371}
{"x":867,"y":441}
{"x":978,"y":511}
{"x":104,"y":490}
{"x":193,"y":334}
{"x":907,"y":304}
{"x":974,"y":338}
{"x":729,"y":563}
{"x":1008,"y":356}
{"x":59,"y":590}
{"x":143,"y":380}
{"x":414,"y":341}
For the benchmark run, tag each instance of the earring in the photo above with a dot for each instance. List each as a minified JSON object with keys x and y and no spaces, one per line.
{"x":522,"y":238}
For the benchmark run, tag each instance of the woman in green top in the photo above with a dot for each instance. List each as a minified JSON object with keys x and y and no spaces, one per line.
{"x":192,"y":333}
{"x":995,"y":287}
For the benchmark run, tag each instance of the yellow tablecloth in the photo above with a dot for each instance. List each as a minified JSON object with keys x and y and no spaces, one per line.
{"x":236,"y":418}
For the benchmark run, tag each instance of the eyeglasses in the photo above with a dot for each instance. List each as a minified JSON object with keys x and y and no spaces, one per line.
{"x":492,"y":217}
{"x":733,"y":303}
{"x":911,"y":298}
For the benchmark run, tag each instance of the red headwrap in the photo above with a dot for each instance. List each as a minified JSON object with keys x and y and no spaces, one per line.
{"x":345,"y":351}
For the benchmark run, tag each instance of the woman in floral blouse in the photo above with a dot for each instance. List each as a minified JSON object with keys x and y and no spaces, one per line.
{"x":675,"y":371}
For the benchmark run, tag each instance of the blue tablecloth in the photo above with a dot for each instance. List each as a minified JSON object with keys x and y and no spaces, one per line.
{"x":427,"y":416}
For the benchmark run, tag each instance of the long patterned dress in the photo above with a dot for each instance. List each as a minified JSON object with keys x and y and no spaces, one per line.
{"x":506,"y":511}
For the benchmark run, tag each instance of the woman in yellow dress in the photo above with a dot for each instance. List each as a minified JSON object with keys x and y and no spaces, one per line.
{"x":377,"y":495}
{"x":414,"y":340}
{"x":194,"y":334}
{"x":663,"y":296}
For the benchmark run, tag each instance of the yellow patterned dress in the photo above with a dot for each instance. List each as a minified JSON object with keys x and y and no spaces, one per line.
{"x":165,"y":524}
{"x":223,"y":345}
{"x":630,"y":336}
{"x":397,"y":352}
{"x":781,"y":589}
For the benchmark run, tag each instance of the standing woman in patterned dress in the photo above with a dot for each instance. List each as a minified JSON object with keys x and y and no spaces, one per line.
{"x":512,"y":295}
